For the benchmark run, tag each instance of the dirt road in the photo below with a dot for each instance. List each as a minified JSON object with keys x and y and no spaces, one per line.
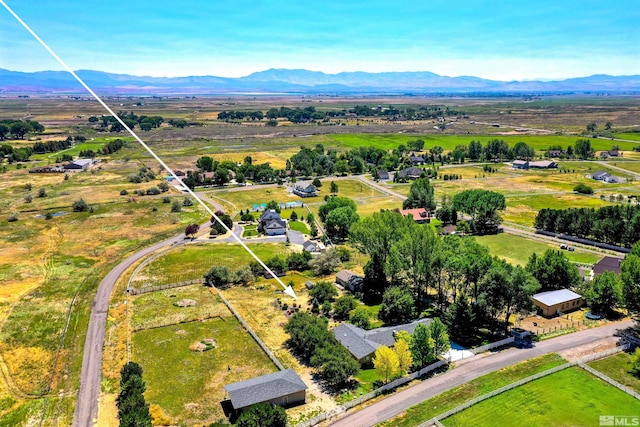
{"x":470,"y":369}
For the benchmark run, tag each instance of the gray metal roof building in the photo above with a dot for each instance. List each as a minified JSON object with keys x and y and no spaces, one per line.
{"x":281,"y":388}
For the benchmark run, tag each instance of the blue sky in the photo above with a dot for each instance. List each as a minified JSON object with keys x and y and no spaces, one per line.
{"x":503,"y":40}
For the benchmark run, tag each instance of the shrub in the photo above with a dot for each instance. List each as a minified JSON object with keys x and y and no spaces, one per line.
{"x":123,"y":192}
{"x":13,"y":217}
{"x":80,"y":206}
{"x":28,"y":198}
{"x":153,"y":191}
{"x":42,"y":192}
{"x":166,"y":200}
{"x":176,"y":206}
{"x":187,"y":201}
{"x":583,"y":189}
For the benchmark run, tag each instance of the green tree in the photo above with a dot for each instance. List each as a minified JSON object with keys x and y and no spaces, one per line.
{"x":397,"y":306}
{"x":591,"y":127}
{"x":422,"y":346}
{"x":343,"y":306}
{"x":323,"y":291}
{"x":604,"y":294}
{"x":608,"y":126}
{"x":317,"y":183}
{"x":133,"y":411}
{"x":219,"y":276}
{"x":80,"y":206}
{"x":630,"y":276}
{"x":440,"y":337}
{"x":19,"y":129}
{"x":360,"y":318}
{"x":339,"y":221}
{"x":386,"y":363}
{"x":521,"y":150}
{"x":273,"y":205}
{"x":403,"y":354}
{"x":460,"y":320}
{"x":263,"y":415}
{"x":333,"y":188}
{"x":583,"y":149}
{"x":553,"y":271}
{"x":635,"y":363}
{"x":420,"y":195}
{"x":482,"y":206}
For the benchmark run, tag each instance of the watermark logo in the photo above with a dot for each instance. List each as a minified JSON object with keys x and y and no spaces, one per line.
{"x":619,"y":420}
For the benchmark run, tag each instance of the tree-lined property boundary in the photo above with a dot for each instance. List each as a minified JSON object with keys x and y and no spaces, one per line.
{"x":580,"y":362}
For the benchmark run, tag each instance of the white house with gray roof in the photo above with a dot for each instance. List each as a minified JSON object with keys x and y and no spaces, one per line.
{"x":282,"y":388}
{"x":363,"y":344}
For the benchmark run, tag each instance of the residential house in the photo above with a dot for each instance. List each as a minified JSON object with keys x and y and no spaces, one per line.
{"x":417,"y":160}
{"x":271,"y":224}
{"x":520,"y":164}
{"x":607,"y":263}
{"x":410,"y":173}
{"x":350,"y":280}
{"x":543,"y":164}
{"x":604,"y":177}
{"x":555,"y":153}
{"x":610,"y":153}
{"x":382,"y":175}
{"x":552,"y":303}
{"x":419,"y":215}
{"x":305,"y":190}
{"x":79,"y":165}
{"x":363,"y":344}
{"x":313,"y":247}
{"x":283,"y":388}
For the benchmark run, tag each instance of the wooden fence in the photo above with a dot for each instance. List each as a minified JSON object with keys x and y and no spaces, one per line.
{"x":146,"y":290}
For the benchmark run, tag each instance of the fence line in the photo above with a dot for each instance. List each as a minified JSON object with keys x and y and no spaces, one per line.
{"x":580,"y":362}
{"x":611,"y":381}
{"x":272,"y":356}
{"x":135,"y":291}
{"x":179,"y":322}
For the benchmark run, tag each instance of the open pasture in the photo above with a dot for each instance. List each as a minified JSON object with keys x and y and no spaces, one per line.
{"x":618,"y":367}
{"x":578,"y":398}
{"x":188,"y":385}
{"x":517,"y":250}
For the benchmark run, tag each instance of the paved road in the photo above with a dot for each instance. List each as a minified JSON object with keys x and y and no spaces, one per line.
{"x":87,"y":407}
{"x":468,"y":370}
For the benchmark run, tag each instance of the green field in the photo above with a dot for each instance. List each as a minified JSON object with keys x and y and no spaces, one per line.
{"x":193,"y":261}
{"x":474,"y":388}
{"x":571,"y":397}
{"x":187,"y":384}
{"x":517,"y":250}
{"x":523,"y":210}
{"x":617,"y":367}
{"x":449,"y":142}
{"x":632,"y":136}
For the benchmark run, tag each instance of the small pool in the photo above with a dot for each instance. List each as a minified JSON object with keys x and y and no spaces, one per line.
{"x":53,"y":214}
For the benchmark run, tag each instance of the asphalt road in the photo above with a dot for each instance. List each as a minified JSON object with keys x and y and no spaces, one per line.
{"x":468,"y":370}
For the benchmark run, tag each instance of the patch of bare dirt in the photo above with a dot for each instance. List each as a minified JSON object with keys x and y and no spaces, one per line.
{"x":587,"y":349}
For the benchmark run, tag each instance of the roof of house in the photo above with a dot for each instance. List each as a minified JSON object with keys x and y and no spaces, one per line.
{"x":542,"y":164}
{"x":382,"y":174}
{"x":362,"y":343}
{"x":599,"y":174}
{"x":310,"y":246}
{"x":417,"y":159}
{"x":275,"y":224}
{"x":306,"y":188}
{"x":520,"y":162}
{"x":607,"y":263}
{"x":418,"y":214}
{"x":346,"y":275}
{"x":410,"y":172}
{"x":269,"y":214}
{"x":560,"y":296}
{"x":264,"y":388}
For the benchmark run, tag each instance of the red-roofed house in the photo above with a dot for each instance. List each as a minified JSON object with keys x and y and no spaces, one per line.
{"x":420,"y":215}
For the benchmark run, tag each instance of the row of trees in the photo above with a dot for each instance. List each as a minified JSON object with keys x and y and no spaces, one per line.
{"x":18,"y":129}
{"x":131,"y":119}
{"x":616,"y":225}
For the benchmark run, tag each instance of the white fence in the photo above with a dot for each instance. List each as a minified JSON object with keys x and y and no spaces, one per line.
{"x":581,"y":362}
{"x":493,"y":345}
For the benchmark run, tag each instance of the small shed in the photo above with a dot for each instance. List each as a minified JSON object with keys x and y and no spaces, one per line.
{"x":282,"y":388}
{"x":551,"y":303}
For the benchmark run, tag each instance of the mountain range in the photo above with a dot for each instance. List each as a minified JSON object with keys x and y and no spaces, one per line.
{"x":288,"y":81}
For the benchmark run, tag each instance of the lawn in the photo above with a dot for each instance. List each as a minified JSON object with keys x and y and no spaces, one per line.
{"x":250,"y":230}
{"x":517,"y":250}
{"x":578,"y":399}
{"x":299,"y":226}
{"x":617,"y":367}
{"x":187,"y":384}
{"x":523,"y":210}
{"x":474,"y":388}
